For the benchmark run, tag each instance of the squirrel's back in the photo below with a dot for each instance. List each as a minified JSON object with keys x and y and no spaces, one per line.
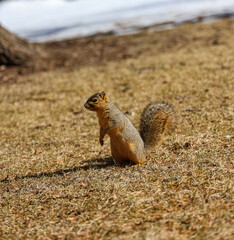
{"x":157,"y":119}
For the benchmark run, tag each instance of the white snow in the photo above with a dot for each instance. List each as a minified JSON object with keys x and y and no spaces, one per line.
{"x":40,"y":20}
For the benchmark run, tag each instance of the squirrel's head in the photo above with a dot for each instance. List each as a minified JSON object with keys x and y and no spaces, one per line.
{"x":97,"y":102}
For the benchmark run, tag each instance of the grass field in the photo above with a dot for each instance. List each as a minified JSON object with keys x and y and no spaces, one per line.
{"x":56,"y":182}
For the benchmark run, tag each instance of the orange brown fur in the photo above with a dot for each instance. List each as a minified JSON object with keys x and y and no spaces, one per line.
{"x":126,"y":142}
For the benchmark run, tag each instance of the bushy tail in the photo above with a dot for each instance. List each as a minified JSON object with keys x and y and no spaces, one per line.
{"x":157,"y":119}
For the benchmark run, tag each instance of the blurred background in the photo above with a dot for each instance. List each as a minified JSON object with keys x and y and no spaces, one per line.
{"x":52,"y":20}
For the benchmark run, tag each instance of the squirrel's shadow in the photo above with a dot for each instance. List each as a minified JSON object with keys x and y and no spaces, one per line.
{"x":89,"y":164}
{"x":97,"y":163}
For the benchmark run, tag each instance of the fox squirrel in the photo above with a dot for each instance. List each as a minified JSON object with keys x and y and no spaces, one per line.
{"x":126,"y":142}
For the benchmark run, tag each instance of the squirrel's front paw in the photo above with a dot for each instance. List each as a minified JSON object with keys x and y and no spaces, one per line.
{"x":101,"y":142}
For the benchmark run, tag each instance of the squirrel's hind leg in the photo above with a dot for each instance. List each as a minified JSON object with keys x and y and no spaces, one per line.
{"x":137,"y":161}
{"x":128,"y":153}
{"x":118,"y":158}
{"x":134,"y":157}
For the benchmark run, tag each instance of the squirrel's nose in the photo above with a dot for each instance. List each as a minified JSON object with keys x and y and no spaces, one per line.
{"x":86,"y":105}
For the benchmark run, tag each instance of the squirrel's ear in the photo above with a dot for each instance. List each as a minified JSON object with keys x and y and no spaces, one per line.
{"x":103,"y":95}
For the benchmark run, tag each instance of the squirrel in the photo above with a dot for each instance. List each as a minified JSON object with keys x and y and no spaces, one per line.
{"x":157,"y":119}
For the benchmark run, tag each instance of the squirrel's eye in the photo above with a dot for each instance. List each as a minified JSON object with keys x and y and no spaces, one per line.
{"x":95,"y":100}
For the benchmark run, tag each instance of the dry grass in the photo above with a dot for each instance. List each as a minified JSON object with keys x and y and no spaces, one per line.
{"x":56,"y":185}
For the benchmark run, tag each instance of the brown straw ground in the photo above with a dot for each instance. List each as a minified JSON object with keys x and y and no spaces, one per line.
{"x":56,"y":184}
